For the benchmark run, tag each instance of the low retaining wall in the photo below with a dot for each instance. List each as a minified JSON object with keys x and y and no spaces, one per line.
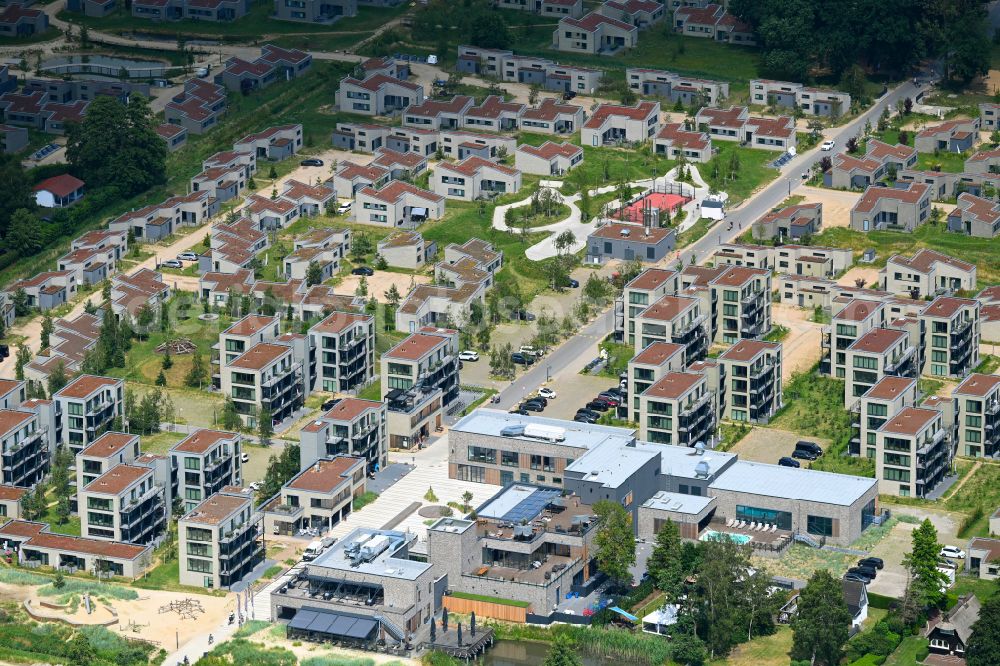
{"x":66,"y":620}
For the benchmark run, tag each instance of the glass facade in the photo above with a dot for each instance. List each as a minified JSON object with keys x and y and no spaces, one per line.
{"x":783,"y":519}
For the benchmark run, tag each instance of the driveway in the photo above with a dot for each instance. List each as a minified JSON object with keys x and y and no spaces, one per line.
{"x":768,"y":445}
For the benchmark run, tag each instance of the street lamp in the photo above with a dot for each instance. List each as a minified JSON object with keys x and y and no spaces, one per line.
{"x":548,"y":376}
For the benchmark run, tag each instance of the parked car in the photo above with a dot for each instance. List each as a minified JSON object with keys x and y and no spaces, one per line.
{"x":952,"y":551}
{"x":538,"y":398}
{"x":874,"y":562}
{"x":521,"y":411}
{"x":612,"y":398}
{"x":789,"y":462}
{"x":569,"y":94}
{"x":868,"y":572}
{"x":522,"y":315}
{"x":811,"y":447}
{"x":856,"y":578}
{"x":532,"y":406}
{"x":583,"y":418}
{"x":344,"y":207}
{"x":858,"y":575}
{"x":468,"y":355}
{"x":571,"y":283}
{"x":598,"y":405}
{"x":172,"y":263}
{"x":432,"y":60}
{"x":255,"y":486}
{"x":521,"y":359}
{"x":528,"y":350}
{"x":328,"y":404}
{"x":363,"y":270}
{"x":187,"y":256}
{"x":245,"y":457}
{"x":312,"y":161}
{"x":804,"y":455}
{"x":546,"y":392}
{"x":587,"y":412}
{"x":4,"y":351}
{"x":828,"y":145}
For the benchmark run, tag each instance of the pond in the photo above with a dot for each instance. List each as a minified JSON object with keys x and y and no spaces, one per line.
{"x":105,"y":65}
{"x":529,"y":653}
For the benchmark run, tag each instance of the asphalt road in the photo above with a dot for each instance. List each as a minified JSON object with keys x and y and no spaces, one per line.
{"x":577,"y":348}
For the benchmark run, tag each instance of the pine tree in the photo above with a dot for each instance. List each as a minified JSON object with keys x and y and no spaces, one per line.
{"x":664,"y":564}
{"x":22,"y":359}
{"x":198,"y":374}
{"x":168,"y":362}
{"x":821,"y":625}
{"x":46,"y":330}
{"x":161,"y":379}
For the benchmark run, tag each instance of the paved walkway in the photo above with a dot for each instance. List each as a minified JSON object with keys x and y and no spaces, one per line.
{"x":581,"y":230}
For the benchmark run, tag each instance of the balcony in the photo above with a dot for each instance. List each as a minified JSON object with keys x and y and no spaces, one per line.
{"x":755,"y":331}
{"x":152,"y":492}
{"x":240,"y":530}
{"x":902,"y":365}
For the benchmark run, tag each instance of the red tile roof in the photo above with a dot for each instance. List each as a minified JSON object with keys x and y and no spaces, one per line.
{"x":61,"y":186}
{"x":203,"y":440}
{"x":641,"y":111}
{"x":325,"y":476}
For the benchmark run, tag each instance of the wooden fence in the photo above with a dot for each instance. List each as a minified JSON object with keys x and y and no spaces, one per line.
{"x":486,"y":609}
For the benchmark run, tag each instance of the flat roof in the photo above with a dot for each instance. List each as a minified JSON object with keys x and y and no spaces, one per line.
{"x":383,"y":565}
{"x":518,"y":502}
{"x":117,"y":479}
{"x":678,"y":502}
{"x":794,"y":484}
{"x":491,"y":422}
{"x":85,"y":385}
{"x":109,"y":444}
{"x":682,"y":461}
{"x":610,"y":465}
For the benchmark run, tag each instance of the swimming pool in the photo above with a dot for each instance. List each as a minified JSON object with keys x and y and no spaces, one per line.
{"x":712,"y":535}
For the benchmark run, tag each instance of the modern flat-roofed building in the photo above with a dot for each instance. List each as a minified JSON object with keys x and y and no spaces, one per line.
{"x":952,"y":336}
{"x":419,"y":379}
{"x":24,"y":447}
{"x":878,"y":404}
{"x":204,"y":463}
{"x":625,"y":241}
{"x":612,"y":124}
{"x":811,"y":101}
{"x":351,"y":427}
{"x":527,"y":543}
{"x":220,"y":541}
{"x":318,"y":497}
{"x":89,"y":406}
{"x":124,"y":504}
{"x":269,"y":377}
{"x":365,"y":588}
{"x":913,"y":452}
{"x":752,"y":376}
{"x":977,"y":402}
{"x":474,"y":178}
{"x":820,"y":506}
{"x":678,"y":409}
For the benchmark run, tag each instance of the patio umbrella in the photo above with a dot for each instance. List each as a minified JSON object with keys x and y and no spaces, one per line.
{"x":433,"y":630}
{"x":472,"y":624}
{"x":459,"y":634}
{"x":444,"y":620}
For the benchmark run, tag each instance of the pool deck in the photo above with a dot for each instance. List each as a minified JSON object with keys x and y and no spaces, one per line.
{"x":773,"y":538}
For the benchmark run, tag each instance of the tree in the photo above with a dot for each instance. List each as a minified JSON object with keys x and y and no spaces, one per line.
{"x":60,"y":484}
{"x":852,"y":145}
{"x":168,"y":361}
{"x":314,"y":274}
{"x":57,"y":378}
{"x":265,"y":426}
{"x":489,"y":30}
{"x":820,"y":628}
{"x":921,"y":562}
{"x":24,"y":234}
{"x":198,"y":374}
{"x":984,"y":645}
{"x":280,"y":469}
{"x":161,"y":379}
{"x":362,"y":288}
{"x":533,"y":94}
{"x":561,"y":653}
{"x":117,"y":145}
{"x":907,"y":106}
{"x":46,"y":330}
{"x":467,"y":501}
{"x":145,"y":318}
{"x":664,"y":563}
{"x":22,"y":359}
{"x":615,"y":541}
{"x":20,"y":302}
{"x":231,"y":417}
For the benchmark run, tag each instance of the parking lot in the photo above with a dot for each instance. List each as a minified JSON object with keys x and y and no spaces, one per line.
{"x":767,"y":445}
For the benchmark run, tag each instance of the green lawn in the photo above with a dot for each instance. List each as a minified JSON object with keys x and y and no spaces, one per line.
{"x":695,"y":233}
{"x":491,"y":600}
{"x":966,"y":584}
{"x":979,"y":251}
{"x":770,"y":650}
{"x":374,"y":390}
{"x":70,"y":527}
{"x":166,"y":576}
{"x":161,"y":442}
{"x":978,"y":498}
{"x":256,"y":27}
{"x":944,"y":161}
{"x":753,"y":172}
{"x":814,"y":405}
{"x":906,"y":653}
{"x":523,"y":218}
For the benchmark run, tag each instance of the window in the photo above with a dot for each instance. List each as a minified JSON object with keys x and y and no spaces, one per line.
{"x":819,"y":525}
{"x":198,"y":534}
{"x":199,"y":549}
{"x":939,"y":341}
{"x":896,"y":459}
{"x":877,"y":410}
{"x":482,"y":455}
{"x":192,"y":463}
{"x":783,"y":519}
{"x":474,"y":474}
{"x":973,"y":406}
{"x":973,"y":436}
{"x":866,"y":362}
{"x":201,"y":566}
{"x":99,"y":504}
{"x":892,"y":474}
{"x":100,"y":519}
{"x":192,"y":493}
{"x":973,"y":421}
{"x":510,"y":458}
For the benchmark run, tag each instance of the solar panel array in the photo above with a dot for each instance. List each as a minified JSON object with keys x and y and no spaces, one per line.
{"x":528,"y":508}
{"x":335,"y":624}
